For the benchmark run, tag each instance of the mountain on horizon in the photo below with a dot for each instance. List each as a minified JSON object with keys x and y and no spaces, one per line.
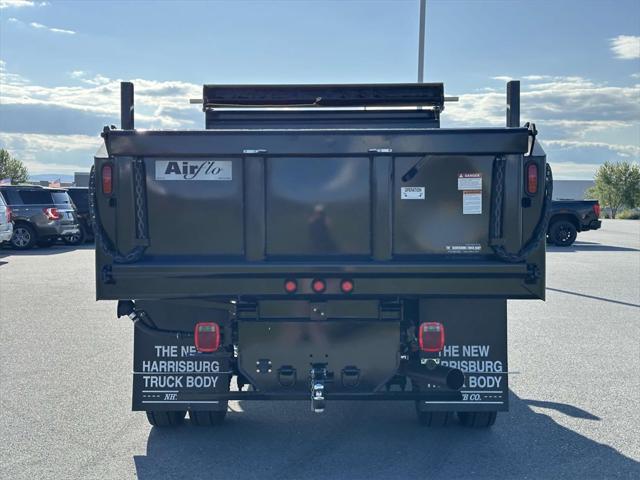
{"x":50,"y":177}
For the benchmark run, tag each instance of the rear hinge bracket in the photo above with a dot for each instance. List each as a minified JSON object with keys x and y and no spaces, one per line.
{"x":533,"y":273}
{"x":106,"y":275}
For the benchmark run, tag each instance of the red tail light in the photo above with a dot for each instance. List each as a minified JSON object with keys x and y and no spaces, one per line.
{"x":207,"y":337}
{"x":318,"y":286}
{"x":431,"y":336}
{"x":51,"y":213}
{"x":532,"y":179}
{"x":290,"y":286}
{"x":596,"y":209}
{"x":107,"y":179}
{"x":8,"y":214}
{"x":346,"y":286}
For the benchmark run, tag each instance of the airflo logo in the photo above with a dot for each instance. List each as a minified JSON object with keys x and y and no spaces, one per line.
{"x":193,"y":170}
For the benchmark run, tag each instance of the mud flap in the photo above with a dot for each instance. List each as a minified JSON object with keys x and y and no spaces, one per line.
{"x":169,"y":374}
{"x":476,"y":343}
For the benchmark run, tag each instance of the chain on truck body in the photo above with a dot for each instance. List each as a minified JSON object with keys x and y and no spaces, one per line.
{"x":141,"y":227}
{"x":497,"y":205}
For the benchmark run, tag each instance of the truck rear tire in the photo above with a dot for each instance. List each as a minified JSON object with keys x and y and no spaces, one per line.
{"x":563,"y":233}
{"x":477,"y":419}
{"x":165,"y":419}
{"x":207,"y":418}
{"x":432,"y":419}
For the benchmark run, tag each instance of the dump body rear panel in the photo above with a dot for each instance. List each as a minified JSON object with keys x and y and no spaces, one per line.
{"x":235,"y":212}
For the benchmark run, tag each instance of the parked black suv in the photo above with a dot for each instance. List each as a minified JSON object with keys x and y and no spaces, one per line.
{"x":40,"y":215}
{"x":80,"y":198}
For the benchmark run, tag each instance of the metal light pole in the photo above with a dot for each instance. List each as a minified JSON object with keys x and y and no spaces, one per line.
{"x":423,"y":8}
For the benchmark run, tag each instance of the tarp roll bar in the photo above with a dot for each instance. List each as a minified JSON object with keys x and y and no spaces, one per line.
{"x":350,"y":95}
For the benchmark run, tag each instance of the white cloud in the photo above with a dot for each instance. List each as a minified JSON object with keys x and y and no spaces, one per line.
{"x":16,"y":3}
{"x":21,"y":3}
{"x":578,"y":119}
{"x":573,"y":170}
{"x":567,"y":102}
{"x":29,"y":147}
{"x":62,"y":30}
{"x":582,"y":123}
{"x":40,"y":26}
{"x":38,"y":141}
{"x":626,"y":47}
{"x":503,"y":78}
{"x":7,"y":78}
{"x":158,"y":104}
{"x":623,"y":150}
{"x":96,"y":80}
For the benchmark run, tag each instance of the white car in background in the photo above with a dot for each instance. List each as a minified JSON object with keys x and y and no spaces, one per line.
{"x":6,"y":226}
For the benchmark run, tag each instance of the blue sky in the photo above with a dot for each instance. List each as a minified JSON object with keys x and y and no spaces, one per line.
{"x":61,"y":63}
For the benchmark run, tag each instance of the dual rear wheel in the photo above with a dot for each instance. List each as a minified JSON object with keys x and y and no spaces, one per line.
{"x":209,"y":418}
{"x":202,"y":418}
{"x":467,"y":419}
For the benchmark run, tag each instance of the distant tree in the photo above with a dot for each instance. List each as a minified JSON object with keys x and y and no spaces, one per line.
{"x":617,"y":185}
{"x":11,"y":167}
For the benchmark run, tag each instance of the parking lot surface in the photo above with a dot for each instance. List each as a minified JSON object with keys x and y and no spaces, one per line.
{"x":575,"y":409}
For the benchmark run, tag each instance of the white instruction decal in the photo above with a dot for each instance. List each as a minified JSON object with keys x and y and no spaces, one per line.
{"x":472,"y":202}
{"x":412,"y":193}
{"x":470,"y":181}
{"x":466,"y":248}
{"x":193,"y":170}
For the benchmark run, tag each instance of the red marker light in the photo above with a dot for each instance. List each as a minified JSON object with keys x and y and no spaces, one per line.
{"x":431,"y":336}
{"x":596,"y":209}
{"x":107,"y":179}
{"x":207,"y":337}
{"x":532,"y":179}
{"x":346,"y":286}
{"x":318,"y":286}
{"x":290,"y":286}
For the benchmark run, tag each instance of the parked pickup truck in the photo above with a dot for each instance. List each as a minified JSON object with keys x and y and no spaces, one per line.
{"x":320,"y":253}
{"x":568,"y":217}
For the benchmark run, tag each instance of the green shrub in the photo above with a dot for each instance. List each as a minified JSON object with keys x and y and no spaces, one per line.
{"x":629,"y":215}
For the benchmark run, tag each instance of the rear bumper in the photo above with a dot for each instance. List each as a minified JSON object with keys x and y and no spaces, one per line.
{"x":55,"y":229}
{"x":155,"y":280}
{"x":595,"y":225}
{"x":6,"y":231}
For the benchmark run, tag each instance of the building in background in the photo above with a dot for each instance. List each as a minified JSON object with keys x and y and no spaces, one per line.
{"x":571,"y":189}
{"x":81,"y":179}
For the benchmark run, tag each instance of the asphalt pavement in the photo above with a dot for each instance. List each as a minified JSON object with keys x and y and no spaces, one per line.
{"x":65,"y":380}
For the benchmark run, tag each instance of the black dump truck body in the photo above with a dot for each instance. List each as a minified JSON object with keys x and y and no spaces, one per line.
{"x":319,"y":252}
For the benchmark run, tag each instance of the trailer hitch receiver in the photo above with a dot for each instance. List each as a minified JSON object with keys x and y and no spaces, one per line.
{"x":318,"y":380}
